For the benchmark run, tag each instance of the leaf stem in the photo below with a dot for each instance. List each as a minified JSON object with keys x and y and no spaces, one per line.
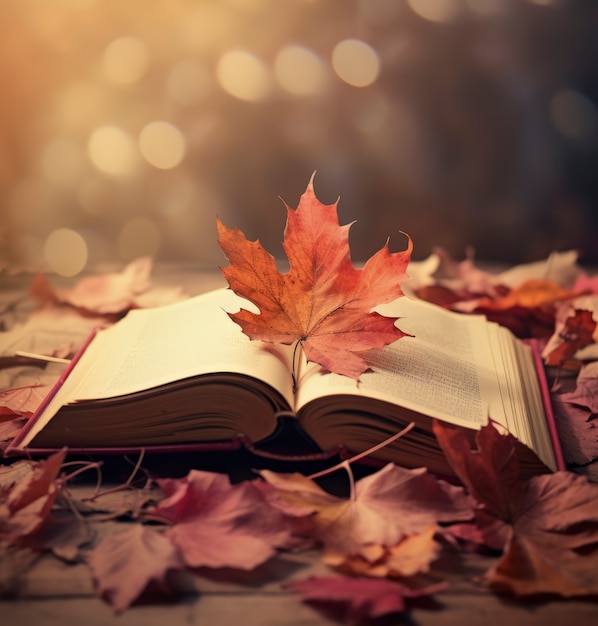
{"x":295,"y":367}
{"x":361,"y":455}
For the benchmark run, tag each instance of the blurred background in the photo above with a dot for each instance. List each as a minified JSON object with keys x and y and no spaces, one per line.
{"x":127,"y":126}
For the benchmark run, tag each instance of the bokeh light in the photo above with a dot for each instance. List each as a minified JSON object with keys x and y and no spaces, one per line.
{"x":65,"y":252}
{"x":355,"y":62}
{"x":162,"y":144}
{"x":462,"y":122}
{"x":300,"y":71}
{"x":435,"y":10}
{"x":126,"y":60}
{"x":243,"y":75}
{"x":112,"y":151}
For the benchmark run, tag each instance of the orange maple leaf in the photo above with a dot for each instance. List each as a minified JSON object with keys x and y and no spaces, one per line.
{"x":323,"y":302}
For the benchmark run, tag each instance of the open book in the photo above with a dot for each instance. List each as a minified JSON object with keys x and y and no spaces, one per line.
{"x":185,"y":374}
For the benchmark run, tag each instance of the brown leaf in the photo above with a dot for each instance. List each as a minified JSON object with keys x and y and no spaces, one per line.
{"x":322,"y":302}
{"x":25,"y":507}
{"x":23,"y":401}
{"x":548,"y":525}
{"x":387,"y":506}
{"x":576,"y":332}
{"x":412,"y":555}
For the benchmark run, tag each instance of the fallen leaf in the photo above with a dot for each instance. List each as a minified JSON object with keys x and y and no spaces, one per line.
{"x":578,"y":433}
{"x":548,"y":524}
{"x":25,"y":507}
{"x":323,"y":302}
{"x":586,"y":389}
{"x":123,"y":565}
{"x":63,"y":534}
{"x":217,"y":524}
{"x":109,"y":294}
{"x":575,"y":333}
{"x":387,"y":506}
{"x":22,"y":401}
{"x":360,"y":599}
{"x":412,"y":555}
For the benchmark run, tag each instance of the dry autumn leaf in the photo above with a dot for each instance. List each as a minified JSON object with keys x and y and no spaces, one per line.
{"x":217,"y":524}
{"x":323,"y":302}
{"x":547,"y":526}
{"x":25,"y":507}
{"x":586,"y":389}
{"x":124,"y":565}
{"x":387,"y":506}
{"x":576,"y":333}
{"x":360,"y":599}
{"x":412,"y":555}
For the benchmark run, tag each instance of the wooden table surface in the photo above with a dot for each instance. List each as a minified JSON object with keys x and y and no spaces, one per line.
{"x":44,"y":591}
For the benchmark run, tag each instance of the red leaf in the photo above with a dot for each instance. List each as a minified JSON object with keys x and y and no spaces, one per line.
{"x":387,"y":506}
{"x":123,"y":565}
{"x":216,"y":524}
{"x":323,"y":302}
{"x":26,"y":506}
{"x":549,"y":521}
{"x":575,"y":333}
{"x":361,"y":598}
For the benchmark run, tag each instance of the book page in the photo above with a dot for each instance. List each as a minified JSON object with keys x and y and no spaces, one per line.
{"x":152,"y":347}
{"x":445,"y":370}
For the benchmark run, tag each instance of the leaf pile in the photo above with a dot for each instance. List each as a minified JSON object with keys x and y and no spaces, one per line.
{"x":383,"y":541}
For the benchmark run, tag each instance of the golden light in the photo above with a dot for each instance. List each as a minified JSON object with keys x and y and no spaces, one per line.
{"x":66,"y":252}
{"x":140,"y":236}
{"x":125,"y":60}
{"x":299,"y":70}
{"x":162,"y":145}
{"x":355,"y":62}
{"x":243,"y":75}
{"x":435,"y":10}
{"x":112,"y":151}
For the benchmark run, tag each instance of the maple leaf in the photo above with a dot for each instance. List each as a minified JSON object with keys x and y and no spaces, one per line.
{"x":323,"y":301}
{"x":109,"y":294}
{"x":547,"y":525}
{"x":586,"y":388}
{"x":412,"y":555}
{"x":360,"y":599}
{"x":25,"y":506}
{"x":122,"y":566}
{"x":578,"y":433}
{"x":386,"y":507}
{"x":218,"y":524}
{"x":575,"y":333}
{"x":24,"y":400}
